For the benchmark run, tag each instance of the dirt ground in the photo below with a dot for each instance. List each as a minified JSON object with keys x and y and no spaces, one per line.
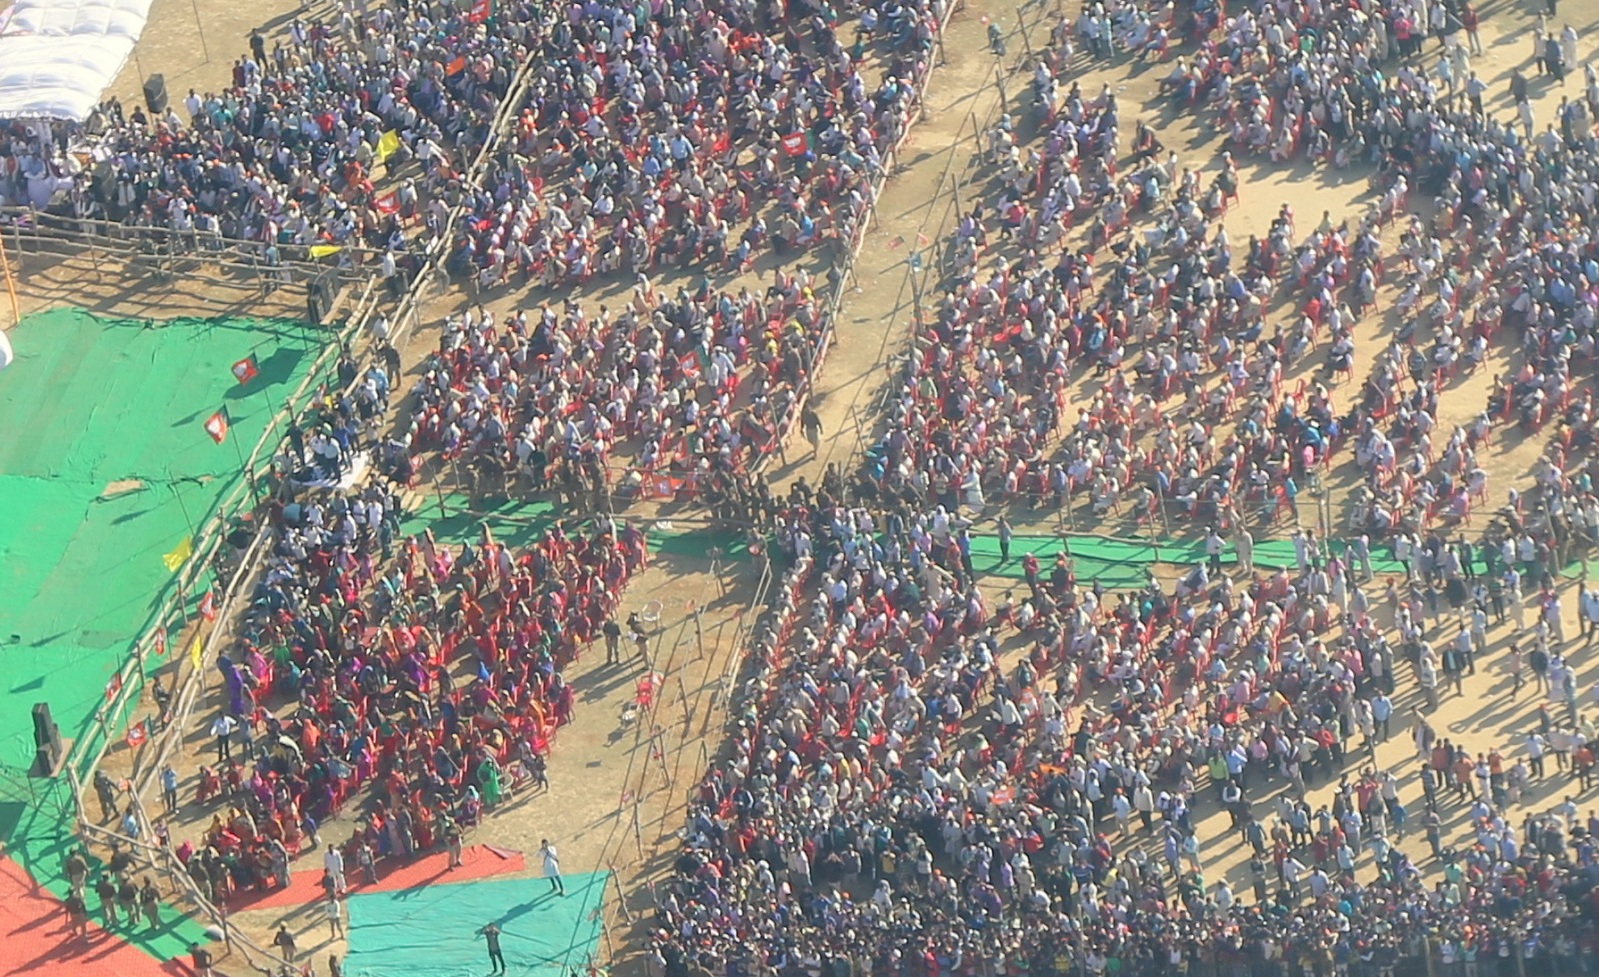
{"x":603,"y":769}
{"x":194,"y":44}
{"x":110,"y":287}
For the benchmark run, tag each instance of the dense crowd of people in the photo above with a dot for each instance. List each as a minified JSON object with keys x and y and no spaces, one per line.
{"x":673,"y":138}
{"x":699,"y":136}
{"x":429,"y":674}
{"x":662,"y":399}
{"x":900,"y":802}
{"x":312,"y":143}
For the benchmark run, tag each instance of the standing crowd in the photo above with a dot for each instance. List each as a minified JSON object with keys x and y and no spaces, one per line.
{"x":926,"y":780}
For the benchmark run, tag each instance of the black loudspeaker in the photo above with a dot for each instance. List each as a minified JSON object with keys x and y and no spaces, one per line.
{"x":155,"y":94}
{"x":46,"y":741}
{"x":320,"y":292}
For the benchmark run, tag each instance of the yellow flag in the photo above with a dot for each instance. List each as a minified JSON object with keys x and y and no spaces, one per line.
{"x":388,"y":143}
{"x":179,"y":556}
{"x":196,"y":649}
{"x":323,"y":250}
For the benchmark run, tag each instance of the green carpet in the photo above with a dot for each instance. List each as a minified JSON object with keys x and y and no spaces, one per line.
{"x":518,"y":523}
{"x":1120,"y":564}
{"x":432,"y":931}
{"x":94,"y":401}
{"x":514,"y":522}
{"x":103,"y":401}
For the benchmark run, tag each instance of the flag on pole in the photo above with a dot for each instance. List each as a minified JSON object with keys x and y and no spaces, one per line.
{"x":196,"y":648}
{"x":246,"y":370}
{"x":208,"y":606}
{"x":388,"y":143}
{"x":388,"y":203}
{"x":179,"y":556}
{"x":114,"y":686}
{"x":455,"y":67}
{"x":217,"y":426}
{"x":138,"y":733}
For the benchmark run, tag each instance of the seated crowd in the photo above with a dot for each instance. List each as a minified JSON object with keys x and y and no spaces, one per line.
{"x":900,"y":803}
{"x":661,"y":398}
{"x":429,"y":674}
{"x":699,"y":136}
{"x":311,"y":143}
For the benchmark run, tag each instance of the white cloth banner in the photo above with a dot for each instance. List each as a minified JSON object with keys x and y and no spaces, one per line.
{"x":57,"y":57}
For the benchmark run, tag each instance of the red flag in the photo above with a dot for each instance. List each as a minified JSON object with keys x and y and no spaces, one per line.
{"x":455,"y":67}
{"x":217,"y":426}
{"x":138,"y":733}
{"x":114,"y":686}
{"x":389,"y":203}
{"x":690,"y":365}
{"x":665,"y":487}
{"x":795,"y":143}
{"x":480,"y":11}
{"x":208,"y":606}
{"x":245,"y":370}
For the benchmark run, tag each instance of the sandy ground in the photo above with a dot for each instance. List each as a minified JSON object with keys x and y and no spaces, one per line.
{"x":194,"y":44}
{"x":107,"y":286}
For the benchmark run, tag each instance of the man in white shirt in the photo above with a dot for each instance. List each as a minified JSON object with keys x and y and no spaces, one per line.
{"x":223,"y":729}
{"x":1590,"y":614}
{"x":333,"y":863}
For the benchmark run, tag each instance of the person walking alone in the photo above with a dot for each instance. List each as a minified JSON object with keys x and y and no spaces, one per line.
{"x":613,"y":641}
{"x":491,"y":933}
{"x":284,"y":941}
{"x":811,"y":427}
{"x":332,"y":912}
{"x":552,"y":866}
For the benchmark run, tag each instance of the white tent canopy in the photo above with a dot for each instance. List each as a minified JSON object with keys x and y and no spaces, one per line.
{"x":58,"y":56}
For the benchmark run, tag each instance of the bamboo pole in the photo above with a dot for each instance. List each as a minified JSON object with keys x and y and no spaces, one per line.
{"x":11,"y":285}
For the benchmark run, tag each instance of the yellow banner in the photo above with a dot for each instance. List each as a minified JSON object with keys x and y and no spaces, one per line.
{"x":323,"y":250}
{"x":179,"y":556}
{"x":388,"y":143}
{"x":196,"y":649}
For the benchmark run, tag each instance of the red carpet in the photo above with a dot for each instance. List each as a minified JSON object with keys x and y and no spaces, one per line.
{"x":477,"y":862}
{"x":36,"y":940}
